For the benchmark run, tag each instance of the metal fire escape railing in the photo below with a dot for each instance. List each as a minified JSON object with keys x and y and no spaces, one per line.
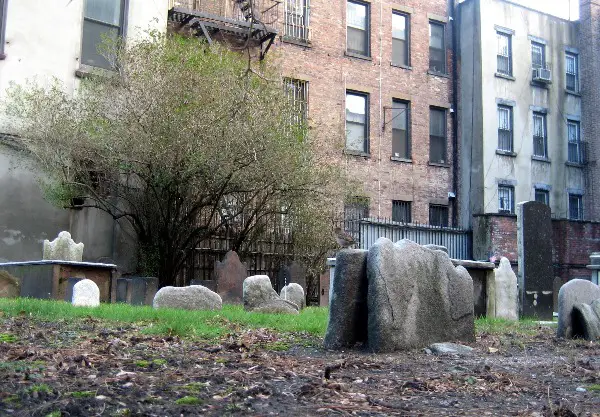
{"x":248,"y":20}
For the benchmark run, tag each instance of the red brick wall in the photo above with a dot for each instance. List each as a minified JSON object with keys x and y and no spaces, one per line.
{"x":495,"y":236}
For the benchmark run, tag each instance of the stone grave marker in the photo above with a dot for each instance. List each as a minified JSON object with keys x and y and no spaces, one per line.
{"x":230,"y":275}
{"x":292,"y":273}
{"x":86,"y":294}
{"x":137,"y":290}
{"x":70,"y":284}
{"x":534,"y":244}
{"x":63,"y":248}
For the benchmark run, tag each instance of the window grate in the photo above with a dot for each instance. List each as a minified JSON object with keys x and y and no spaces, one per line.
{"x":438,"y":215}
{"x":540,"y":147}
{"x":297,"y":93}
{"x":506,"y":199}
{"x":505,"y":130}
{"x":401,"y":211}
{"x":296,"y":19}
{"x":572,"y":72}
{"x":504,"y":53}
{"x":575,"y":153}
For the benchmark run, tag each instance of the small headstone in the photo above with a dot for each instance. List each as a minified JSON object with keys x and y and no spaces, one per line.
{"x":230,"y":275}
{"x":576,"y":291}
{"x":348,"y":300}
{"x":122,"y":288}
{"x":69,"y":290}
{"x":534,"y":244}
{"x":259,"y":296}
{"x":586,"y":320}
{"x":294,"y":293}
{"x":137,"y":290}
{"x":450,"y":349}
{"x":9,"y":285}
{"x":86,"y":294}
{"x":292,"y":273}
{"x":194,"y":297}
{"x":506,"y":292}
{"x":63,"y":248}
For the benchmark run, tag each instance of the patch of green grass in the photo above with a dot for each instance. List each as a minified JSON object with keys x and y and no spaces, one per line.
{"x":206,"y":325}
{"x":159,"y":362}
{"x":21,"y":366}
{"x":12,"y":399}
{"x":188,"y":400}
{"x":40,"y":388}
{"x":82,"y":394}
{"x":527,"y":327}
{"x":195,"y":387}
{"x":54,"y":414}
{"x":593,"y":387}
{"x":7,"y":338}
{"x":277,"y":346}
{"x":142,"y":364}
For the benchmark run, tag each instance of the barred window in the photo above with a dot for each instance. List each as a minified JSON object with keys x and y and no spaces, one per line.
{"x":400,"y":129}
{"x":572,"y":72}
{"x":437,"y":47}
{"x":296,"y":18}
{"x":297,"y":92}
{"x":575,"y":207}
{"x":504,"y":53}
{"x":540,"y":145}
{"x":575,"y":153}
{"x":357,"y":17}
{"x":400,"y":39}
{"x":538,"y":55}
{"x":401,"y":211}
{"x":506,"y":199}
{"x":438,"y":215}
{"x":356,"y":208}
{"x":505,"y":128}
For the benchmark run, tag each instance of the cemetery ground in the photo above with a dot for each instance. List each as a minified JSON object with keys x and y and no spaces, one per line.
{"x":119,"y":360}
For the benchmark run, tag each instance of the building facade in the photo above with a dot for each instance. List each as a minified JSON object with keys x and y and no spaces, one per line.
{"x":62,"y":47}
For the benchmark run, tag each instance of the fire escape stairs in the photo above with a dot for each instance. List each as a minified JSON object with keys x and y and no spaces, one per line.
{"x":207,"y":25}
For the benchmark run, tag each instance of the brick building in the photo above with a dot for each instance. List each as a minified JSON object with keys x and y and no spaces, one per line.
{"x":376,"y":80}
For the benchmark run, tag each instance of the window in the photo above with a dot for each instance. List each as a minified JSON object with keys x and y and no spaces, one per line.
{"x":575,"y":148}
{"x":357,"y":15}
{"x":3,"y":9}
{"x":575,"y":207}
{"x":401,"y":211}
{"x":506,"y":199}
{"x":357,"y":122}
{"x":400,"y":129}
{"x":540,"y":147}
{"x":572,"y":70}
{"x":438,"y":215}
{"x":297,"y":92}
{"x":295,"y":14}
{"x":437,"y":48}
{"x":543,"y":196}
{"x":538,"y":55}
{"x":437,"y":135}
{"x":400,"y":39}
{"x":505,"y":128}
{"x":356,"y":208}
{"x":101,"y":18}
{"x":504,"y":53}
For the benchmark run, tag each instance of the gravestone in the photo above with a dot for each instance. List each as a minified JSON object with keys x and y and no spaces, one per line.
{"x":137,"y":290}
{"x":63,"y":248}
{"x":230,"y":275}
{"x":292,"y":273}
{"x":69,"y":290}
{"x":194,"y":297}
{"x":86,"y":294}
{"x":293,"y":292}
{"x":260,"y":297}
{"x":9,"y":285}
{"x":505,"y":291}
{"x":534,"y":243}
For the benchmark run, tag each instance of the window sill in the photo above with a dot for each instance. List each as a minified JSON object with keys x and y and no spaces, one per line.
{"x":573,"y":93}
{"x":359,"y":56}
{"x":406,"y":67}
{"x":438,"y":74}
{"x":398,"y":159}
{"x":505,"y":76}
{"x":85,"y":71}
{"x":541,"y":159}
{"x":545,"y":86}
{"x":574,"y":164}
{"x":506,"y":153}
{"x":357,"y":153}
{"x":439,"y":164}
{"x":296,"y":41}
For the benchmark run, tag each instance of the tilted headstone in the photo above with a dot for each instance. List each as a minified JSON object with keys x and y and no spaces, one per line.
{"x":9,"y":285}
{"x":416,"y":297}
{"x":86,"y":294}
{"x":576,"y":291}
{"x":260,"y":297}
{"x":230,"y":275}
{"x":63,"y":248}
{"x":293,"y":292}
{"x":194,"y":297}
{"x":534,"y":244}
{"x":506,"y":292}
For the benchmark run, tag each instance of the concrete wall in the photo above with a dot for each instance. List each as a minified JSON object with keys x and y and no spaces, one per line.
{"x":521,"y":170}
{"x":43,"y":43}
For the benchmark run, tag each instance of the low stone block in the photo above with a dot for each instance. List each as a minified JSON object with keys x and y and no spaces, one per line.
{"x":259,"y":296}
{"x":194,"y":297}
{"x":86,"y":294}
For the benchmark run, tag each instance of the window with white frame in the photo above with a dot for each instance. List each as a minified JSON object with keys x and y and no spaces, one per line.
{"x":102,"y":18}
{"x":575,"y":207}
{"x":505,"y":128}
{"x":575,"y":151}
{"x":538,"y":55}
{"x":540,"y":146}
{"x":506,"y":199}
{"x":357,"y":122}
{"x":504,"y":59}
{"x":296,"y":18}
{"x":572,"y":72}
{"x":542,"y":195}
{"x":400,"y":39}
{"x":297,"y":92}
{"x":357,"y":25}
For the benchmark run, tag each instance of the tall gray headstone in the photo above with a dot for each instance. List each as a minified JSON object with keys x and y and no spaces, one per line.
{"x":536,"y":275}
{"x":230,"y":275}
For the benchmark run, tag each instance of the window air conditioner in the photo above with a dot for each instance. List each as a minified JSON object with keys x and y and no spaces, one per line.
{"x":542,"y":75}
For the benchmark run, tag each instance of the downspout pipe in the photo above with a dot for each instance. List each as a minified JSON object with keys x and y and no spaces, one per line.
{"x":455,"y":167}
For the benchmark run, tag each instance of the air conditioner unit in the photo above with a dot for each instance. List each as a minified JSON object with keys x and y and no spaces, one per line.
{"x":542,"y":75}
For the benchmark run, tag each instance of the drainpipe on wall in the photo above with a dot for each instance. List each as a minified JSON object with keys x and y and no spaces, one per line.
{"x":455,"y":31}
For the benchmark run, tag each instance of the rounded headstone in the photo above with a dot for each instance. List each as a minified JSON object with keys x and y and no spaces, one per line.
{"x":86,"y":294}
{"x":194,"y":297}
{"x":576,"y":291}
{"x":294,"y":293}
{"x":259,"y":296}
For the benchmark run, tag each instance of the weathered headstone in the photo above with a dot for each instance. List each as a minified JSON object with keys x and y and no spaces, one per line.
{"x":63,"y":248}
{"x":576,"y":291}
{"x":293,"y":292}
{"x":230,"y":275}
{"x":69,"y":289}
{"x":534,"y":244}
{"x":259,"y":296}
{"x":348,"y":300}
{"x":292,"y":273}
{"x":506,"y":292}
{"x":9,"y":285}
{"x":194,"y":297}
{"x":86,"y":294}
{"x":586,"y":320}
{"x":416,"y":297}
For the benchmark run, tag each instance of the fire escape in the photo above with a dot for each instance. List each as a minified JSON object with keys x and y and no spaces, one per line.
{"x":245,"y":21}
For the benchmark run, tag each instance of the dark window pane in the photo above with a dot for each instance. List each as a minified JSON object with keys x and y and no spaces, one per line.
{"x":107,"y":11}
{"x":401,"y":211}
{"x":357,"y":41}
{"x":399,"y":52}
{"x":437,"y":48}
{"x":92,"y":37}
{"x":506,"y":197}
{"x":505,"y":128}
{"x":539,"y":135}
{"x":437,"y":135}
{"x":537,"y":55}
{"x":542,"y":196}
{"x":438,"y":215}
{"x":400,"y":130}
{"x":575,"y":207}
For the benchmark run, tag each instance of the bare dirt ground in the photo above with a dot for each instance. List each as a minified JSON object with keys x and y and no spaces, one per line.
{"x":89,"y":369}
